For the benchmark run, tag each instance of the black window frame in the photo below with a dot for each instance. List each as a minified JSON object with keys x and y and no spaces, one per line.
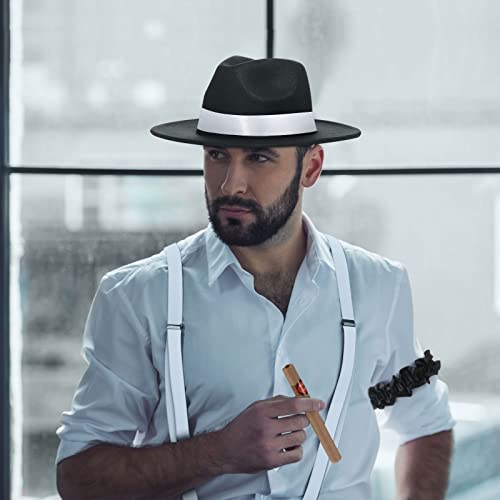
{"x":6,"y":170}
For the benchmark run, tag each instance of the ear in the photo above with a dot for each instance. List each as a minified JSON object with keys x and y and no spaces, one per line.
{"x":313,"y":164}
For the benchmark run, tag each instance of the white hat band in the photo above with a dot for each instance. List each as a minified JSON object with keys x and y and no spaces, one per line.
{"x":256,"y":125}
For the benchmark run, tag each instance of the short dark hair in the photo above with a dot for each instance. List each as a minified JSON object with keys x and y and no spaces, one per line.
{"x":300,"y":153}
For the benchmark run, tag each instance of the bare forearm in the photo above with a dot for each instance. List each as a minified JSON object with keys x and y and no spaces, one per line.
{"x":423,"y":466}
{"x":109,"y":472}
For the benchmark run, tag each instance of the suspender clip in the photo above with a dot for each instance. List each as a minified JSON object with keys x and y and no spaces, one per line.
{"x":348,"y":322}
{"x":174,"y":325}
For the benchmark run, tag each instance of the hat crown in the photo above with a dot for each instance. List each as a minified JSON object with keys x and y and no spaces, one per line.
{"x":244,"y":86}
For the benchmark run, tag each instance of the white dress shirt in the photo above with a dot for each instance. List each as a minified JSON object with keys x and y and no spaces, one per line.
{"x":234,"y":346}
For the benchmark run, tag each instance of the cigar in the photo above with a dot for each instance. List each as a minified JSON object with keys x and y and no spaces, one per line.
{"x":314,"y":417}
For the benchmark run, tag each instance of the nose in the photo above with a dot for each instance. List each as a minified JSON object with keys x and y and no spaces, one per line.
{"x":236,"y":179}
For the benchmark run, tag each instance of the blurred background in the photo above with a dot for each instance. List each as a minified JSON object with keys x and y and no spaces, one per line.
{"x":89,"y":79}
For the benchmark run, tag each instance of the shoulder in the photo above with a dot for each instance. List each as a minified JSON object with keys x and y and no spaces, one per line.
{"x":139,"y":271}
{"x":371,"y":271}
{"x":367,"y":261}
{"x":135,"y":279}
{"x":148,"y":276}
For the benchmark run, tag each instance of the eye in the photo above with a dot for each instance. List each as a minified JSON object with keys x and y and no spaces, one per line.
{"x":262,"y":156}
{"x":213,"y":151}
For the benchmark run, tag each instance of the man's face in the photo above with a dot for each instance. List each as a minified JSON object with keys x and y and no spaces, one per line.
{"x":266,"y":182}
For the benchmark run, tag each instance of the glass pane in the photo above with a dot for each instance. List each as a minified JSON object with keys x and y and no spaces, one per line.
{"x":417,"y":79}
{"x":446,"y":230}
{"x":89,"y":79}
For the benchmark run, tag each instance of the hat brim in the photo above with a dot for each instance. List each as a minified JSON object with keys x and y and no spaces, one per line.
{"x":185,"y":131}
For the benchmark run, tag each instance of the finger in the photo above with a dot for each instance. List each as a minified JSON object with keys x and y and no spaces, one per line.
{"x":291,"y":424}
{"x":290,"y":440}
{"x":292,"y":406}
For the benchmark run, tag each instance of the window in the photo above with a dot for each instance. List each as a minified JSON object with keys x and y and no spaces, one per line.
{"x":82,"y":84}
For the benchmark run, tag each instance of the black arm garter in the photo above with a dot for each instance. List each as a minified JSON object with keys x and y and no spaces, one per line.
{"x":385,"y":393}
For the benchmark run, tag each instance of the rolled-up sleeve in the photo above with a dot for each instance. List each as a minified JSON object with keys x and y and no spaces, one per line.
{"x":118,"y":391}
{"x":427,"y":410}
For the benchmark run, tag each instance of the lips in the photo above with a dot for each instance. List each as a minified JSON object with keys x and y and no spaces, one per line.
{"x":240,"y":214}
{"x":236,"y":209}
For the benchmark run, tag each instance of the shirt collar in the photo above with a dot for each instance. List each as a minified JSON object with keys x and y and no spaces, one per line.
{"x":220,"y":256}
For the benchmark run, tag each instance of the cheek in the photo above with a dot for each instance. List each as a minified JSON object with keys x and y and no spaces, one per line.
{"x":214,"y":178}
{"x":211,"y":182}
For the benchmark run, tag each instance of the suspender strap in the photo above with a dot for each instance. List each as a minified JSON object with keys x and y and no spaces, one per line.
{"x":174,"y":376}
{"x":340,"y":401}
{"x":177,"y":415}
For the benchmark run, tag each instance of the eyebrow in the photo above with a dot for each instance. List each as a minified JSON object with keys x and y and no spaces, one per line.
{"x":269,"y":151}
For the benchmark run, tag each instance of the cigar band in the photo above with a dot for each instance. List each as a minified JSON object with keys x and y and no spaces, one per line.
{"x":301,"y":388}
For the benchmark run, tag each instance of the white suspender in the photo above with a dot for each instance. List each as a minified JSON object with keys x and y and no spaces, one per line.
{"x":178,"y":426}
{"x":177,"y":416}
{"x":338,"y":407}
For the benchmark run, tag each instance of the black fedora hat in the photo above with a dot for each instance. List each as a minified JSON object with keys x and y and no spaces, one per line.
{"x":256,"y":102}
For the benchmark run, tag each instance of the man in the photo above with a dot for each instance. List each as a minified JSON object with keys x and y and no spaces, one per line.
{"x":260,"y":290}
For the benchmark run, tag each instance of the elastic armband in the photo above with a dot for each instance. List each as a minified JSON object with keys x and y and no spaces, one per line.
{"x":385,"y":393}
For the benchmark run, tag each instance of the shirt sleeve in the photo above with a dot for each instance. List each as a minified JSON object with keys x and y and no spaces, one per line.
{"x":427,"y":410}
{"x":118,"y":391}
